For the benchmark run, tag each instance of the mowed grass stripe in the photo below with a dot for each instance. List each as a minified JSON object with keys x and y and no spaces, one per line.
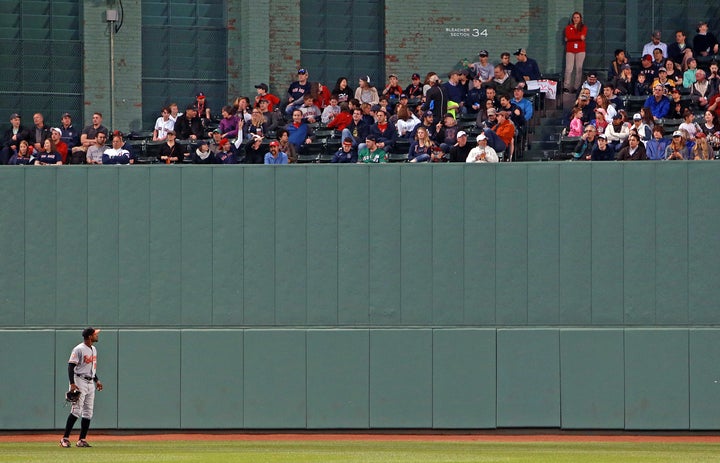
{"x":360,"y":452}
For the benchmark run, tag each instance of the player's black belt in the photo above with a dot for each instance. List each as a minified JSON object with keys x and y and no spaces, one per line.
{"x":86,"y":378}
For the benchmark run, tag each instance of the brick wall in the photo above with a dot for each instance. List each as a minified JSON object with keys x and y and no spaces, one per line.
{"x":284,"y":44}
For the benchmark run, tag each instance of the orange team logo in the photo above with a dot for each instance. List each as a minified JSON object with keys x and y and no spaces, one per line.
{"x":90,"y":359}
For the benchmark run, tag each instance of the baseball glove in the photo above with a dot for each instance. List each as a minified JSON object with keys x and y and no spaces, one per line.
{"x":72,"y":396}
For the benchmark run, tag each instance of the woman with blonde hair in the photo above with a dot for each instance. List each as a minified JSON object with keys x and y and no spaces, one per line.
{"x":701,"y":150}
{"x":421,"y":149}
{"x":677,"y":149}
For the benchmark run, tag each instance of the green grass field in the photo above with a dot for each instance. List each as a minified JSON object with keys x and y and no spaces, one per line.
{"x":360,"y":452}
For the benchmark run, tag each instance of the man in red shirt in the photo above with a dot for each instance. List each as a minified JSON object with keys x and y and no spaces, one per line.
{"x":262,"y":94}
{"x":60,"y":146}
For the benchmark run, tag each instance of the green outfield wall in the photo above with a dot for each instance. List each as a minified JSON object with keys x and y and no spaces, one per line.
{"x":562,"y":295}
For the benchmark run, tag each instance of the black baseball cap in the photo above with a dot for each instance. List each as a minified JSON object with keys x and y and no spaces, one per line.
{"x":262,"y":86}
{"x":89,"y":331}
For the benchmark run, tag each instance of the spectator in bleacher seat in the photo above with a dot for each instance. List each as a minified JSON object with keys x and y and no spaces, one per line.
{"x":617,"y":132}
{"x":601,"y":151}
{"x":162,"y":125}
{"x":89,"y":133}
{"x":298,"y":130}
{"x":297,"y":90}
{"x":48,"y":155}
{"x":460,"y":150}
{"x":656,"y":146}
{"x":368,"y":112}
{"x":593,"y":84}
{"x":655,"y":43}
{"x":701,"y":90}
{"x":482,"y":153}
{"x":275,"y":156}
{"x":611,"y":95}
{"x":383,"y":131}
{"x":525,"y":68}
{"x":117,"y":154}
{"x":662,"y":79}
{"x":60,"y":146}
{"x":95,"y":152}
{"x":576,"y":123}
{"x":490,"y":117}
{"x":357,"y":129}
{"x":421,"y":148}
{"x":342,"y":90}
{"x":256,"y":126}
{"x":506,"y":131}
{"x":516,"y":115}
{"x":311,"y":113}
{"x":227,"y":154}
{"x":371,"y":153}
{"x":502,"y":82}
{"x":642,"y":86}
{"x":229,"y":124}
{"x":602,"y":102}
{"x":385,"y":106}
{"x":321,"y":95}
{"x":679,"y":51}
{"x":523,"y":103}
{"x":203,"y":107}
{"x":254,"y":150}
{"x":505,"y":63}
{"x":23,"y":155}
{"x":436,"y":98}
{"x":242,"y":109}
{"x":616,"y":66}
{"x":647,"y":68}
{"x":262,"y":94}
{"x":39,"y":132}
{"x":689,"y":74}
{"x":12,"y":138}
{"x":483,"y":69}
{"x":677,"y":105}
{"x":585,"y":146}
{"x":643,"y":130}
{"x":624,"y":83}
{"x":188,"y":126}
{"x":70,"y":135}
{"x":414,"y":89}
{"x":658,"y":59}
{"x":704,"y":43}
{"x":677,"y":150}
{"x":172,"y":152}
{"x":587,"y":106}
{"x":601,"y":119}
{"x":273,"y":119}
{"x":702,"y":151}
{"x":330,"y":111}
{"x":366,"y":93}
{"x":406,"y":121}
{"x":658,"y":103}
{"x":346,"y":153}
{"x":447,"y":131}
{"x":283,"y":137}
{"x":673,"y":72}
{"x":475,"y":96}
{"x":202,"y":154}
{"x":428,"y":122}
{"x":635,"y":151}
{"x":455,"y":90}
{"x":713,"y":77}
{"x":709,"y":124}
{"x":689,"y":125}
{"x":342,"y":119}
{"x":575,"y":35}
{"x":174,"y":112}
{"x":392,"y":90}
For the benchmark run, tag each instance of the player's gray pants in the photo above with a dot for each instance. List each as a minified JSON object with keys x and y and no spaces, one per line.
{"x":84,"y":407}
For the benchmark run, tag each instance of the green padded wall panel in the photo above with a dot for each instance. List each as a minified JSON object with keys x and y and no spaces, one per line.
{"x":401,"y":378}
{"x":528,"y":378}
{"x":322,"y":245}
{"x":106,"y":401}
{"x":464,"y":378}
{"x":338,"y":381}
{"x":704,"y":379}
{"x":275,"y":375}
{"x":166,"y":233}
{"x":544,"y":240}
{"x":606,"y":202}
{"x":639,"y":244}
{"x":211,"y":388}
{"x":447,"y":244}
{"x":575,"y":241}
{"x":656,"y":379}
{"x":291,"y":238}
{"x":592,"y":378}
{"x":134,"y":247}
{"x":149,"y":384}
{"x":511,"y":247}
{"x":259,"y":241}
{"x":72,"y":222}
{"x":383,"y":230}
{"x":12,"y":269}
{"x":28,"y":385}
{"x":478,"y":233}
{"x":416,"y":250}
{"x":228,"y":235}
{"x":196,"y":235}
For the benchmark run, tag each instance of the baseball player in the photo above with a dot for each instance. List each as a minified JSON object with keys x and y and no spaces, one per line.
{"x":82,"y":368}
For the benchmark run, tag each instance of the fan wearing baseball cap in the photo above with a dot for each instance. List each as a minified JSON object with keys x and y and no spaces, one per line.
{"x":415,"y":89}
{"x":297,"y":90}
{"x":655,"y":43}
{"x":263,"y":94}
{"x":482,"y":153}
{"x":275,"y":156}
